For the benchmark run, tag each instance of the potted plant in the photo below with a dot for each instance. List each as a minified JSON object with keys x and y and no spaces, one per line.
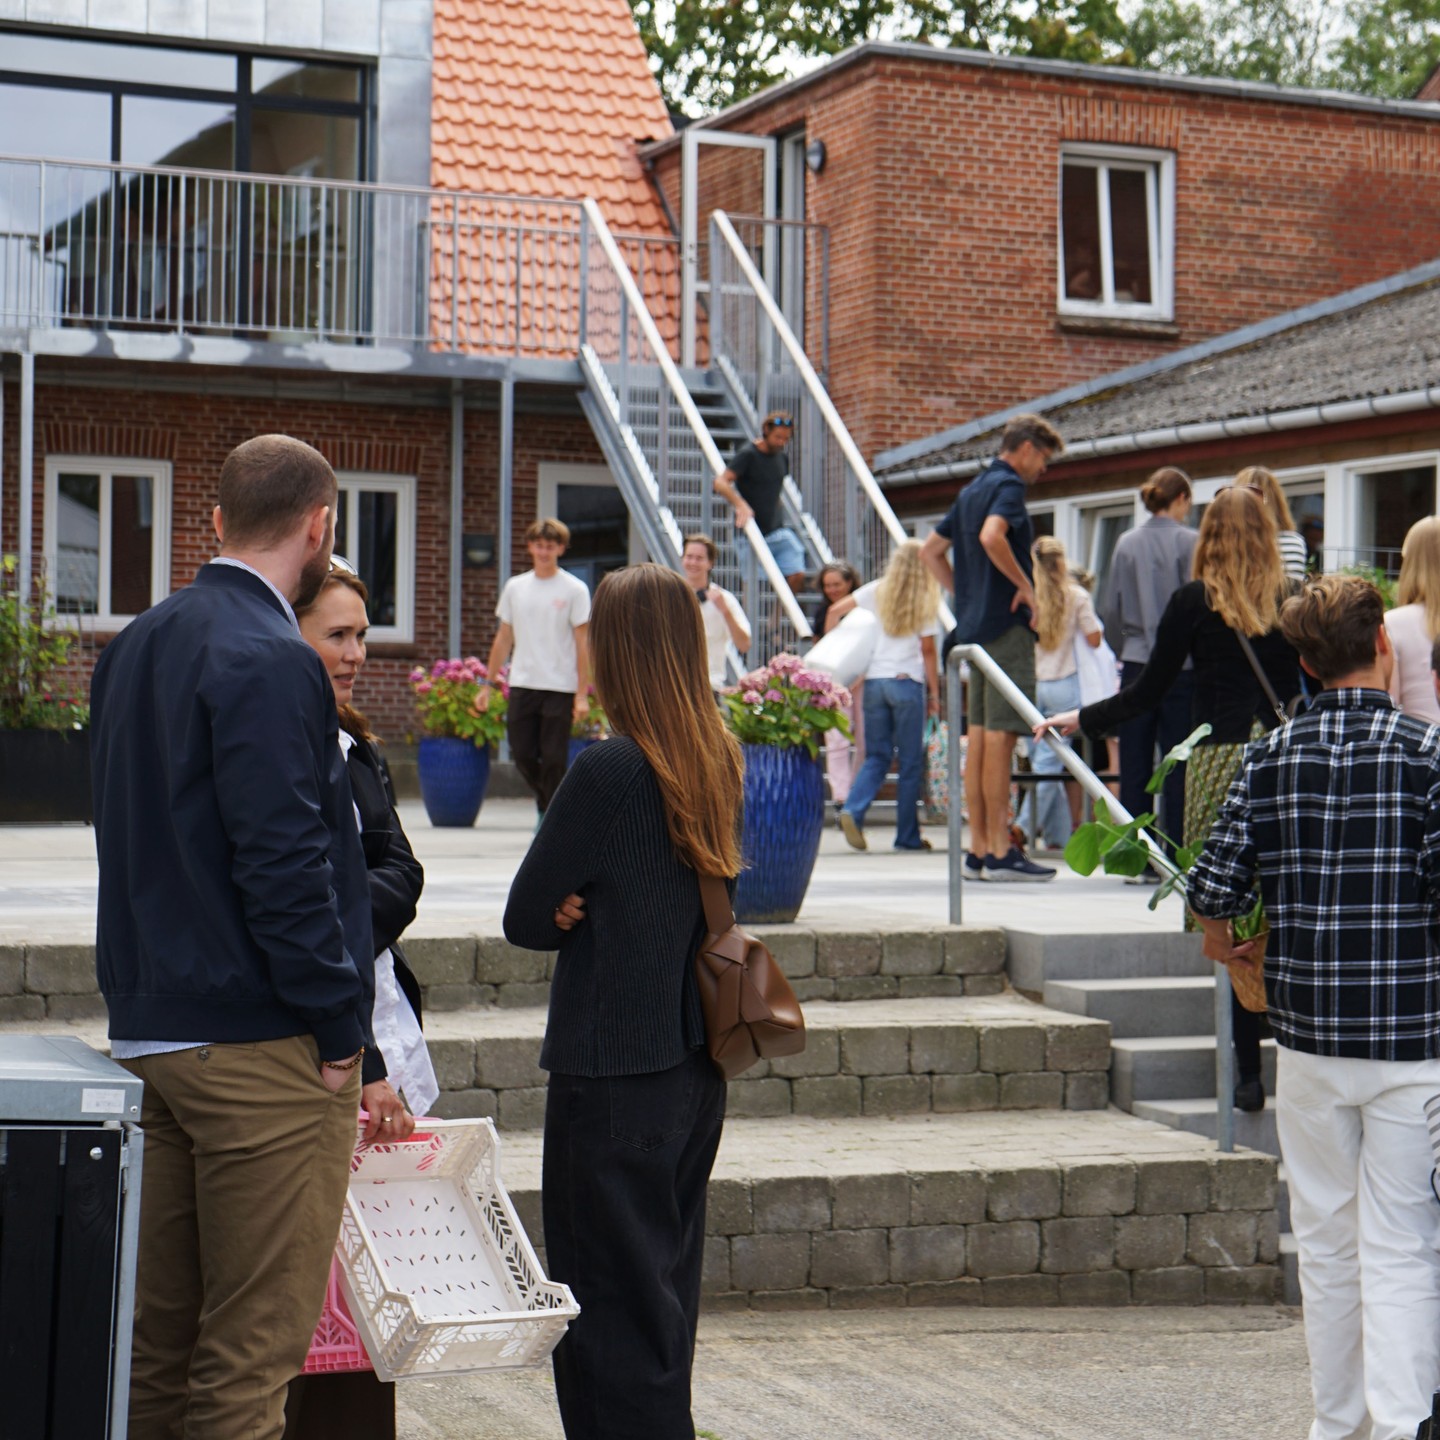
{"x":1119,"y":849}
{"x":584,"y":733}
{"x":780,"y":714}
{"x":44,"y":749}
{"x":454,"y":752}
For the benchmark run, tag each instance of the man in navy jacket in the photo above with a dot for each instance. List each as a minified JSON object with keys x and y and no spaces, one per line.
{"x":233,"y":950}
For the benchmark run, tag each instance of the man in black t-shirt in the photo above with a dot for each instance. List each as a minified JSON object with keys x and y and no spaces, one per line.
{"x":753,"y":483}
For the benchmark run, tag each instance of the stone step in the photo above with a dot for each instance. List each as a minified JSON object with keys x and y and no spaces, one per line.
{"x":1096,"y":1208}
{"x":1171,"y":1067}
{"x":1255,"y":1130}
{"x":880,"y":1057}
{"x":57,"y":982}
{"x":1289,"y":1271}
{"x":1036,"y":957}
{"x":1156,"y":1005}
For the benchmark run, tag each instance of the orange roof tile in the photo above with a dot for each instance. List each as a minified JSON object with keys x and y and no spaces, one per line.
{"x":546,"y":101}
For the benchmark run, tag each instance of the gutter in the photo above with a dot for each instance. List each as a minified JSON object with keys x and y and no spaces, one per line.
{"x":1371,"y":408}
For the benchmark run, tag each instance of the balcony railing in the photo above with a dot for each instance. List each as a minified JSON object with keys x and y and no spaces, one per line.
{"x":119,"y":247}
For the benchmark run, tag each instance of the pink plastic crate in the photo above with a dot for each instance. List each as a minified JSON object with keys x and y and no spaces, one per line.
{"x":337,"y":1345}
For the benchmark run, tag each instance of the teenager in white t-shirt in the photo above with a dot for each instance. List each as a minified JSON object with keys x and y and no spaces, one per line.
{"x":543,"y":615}
{"x":724,"y":620}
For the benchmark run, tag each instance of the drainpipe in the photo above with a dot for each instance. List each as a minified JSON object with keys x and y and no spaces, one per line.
{"x":457,"y":508}
{"x":507,"y":478}
{"x":26,"y":478}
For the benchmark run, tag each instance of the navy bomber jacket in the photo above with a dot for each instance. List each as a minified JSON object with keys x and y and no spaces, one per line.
{"x":233,"y":902}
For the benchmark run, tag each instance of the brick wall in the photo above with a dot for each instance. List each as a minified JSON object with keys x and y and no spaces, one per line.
{"x":941,"y":193}
{"x":195,"y":433}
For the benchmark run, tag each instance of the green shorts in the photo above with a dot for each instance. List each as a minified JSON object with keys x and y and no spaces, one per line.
{"x":987,"y":709}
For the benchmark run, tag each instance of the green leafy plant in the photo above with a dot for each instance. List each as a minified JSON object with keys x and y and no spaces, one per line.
{"x":447,"y":696}
{"x":786,"y":705}
{"x":1384,"y":582}
{"x":1103,"y":842}
{"x":34,"y":651}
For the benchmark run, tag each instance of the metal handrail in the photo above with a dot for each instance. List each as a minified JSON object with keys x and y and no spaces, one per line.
{"x":681,"y":394}
{"x":1095,"y":788}
{"x":838,"y":431}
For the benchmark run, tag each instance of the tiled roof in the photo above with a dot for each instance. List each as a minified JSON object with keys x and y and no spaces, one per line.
{"x":1381,"y":340}
{"x":546,"y":100}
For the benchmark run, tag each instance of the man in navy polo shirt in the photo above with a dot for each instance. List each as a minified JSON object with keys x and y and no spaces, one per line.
{"x":988,"y":530}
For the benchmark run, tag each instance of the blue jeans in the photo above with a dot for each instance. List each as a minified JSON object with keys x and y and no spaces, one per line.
{"x":1047,"y":808}
{"x":894,"y":721}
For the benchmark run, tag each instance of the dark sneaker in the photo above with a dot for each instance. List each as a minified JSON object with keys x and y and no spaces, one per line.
{"x":974,"y":866}
{"x":1250,"y":1095}
{"x":854,"y":835}
{"x":1015,"y":867}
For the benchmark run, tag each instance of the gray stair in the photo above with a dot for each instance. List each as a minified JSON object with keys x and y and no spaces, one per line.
{"x":1159,"y":1005}
{"x":1289,"y":1269}
{"x":1035,"y":958}
{"x":1171,"y":1067}
{"x":1255,"y":1131}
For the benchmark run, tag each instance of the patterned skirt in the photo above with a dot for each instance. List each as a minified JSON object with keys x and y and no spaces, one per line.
{"x":1209,"y":773}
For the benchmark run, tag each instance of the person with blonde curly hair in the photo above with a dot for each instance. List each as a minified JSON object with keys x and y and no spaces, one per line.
{"x":1237,"y":590}
{"x":906,"y":601}
{"x":1414,"y":625}
{"x":1064,"y":613}
{"x":1294,"y":553}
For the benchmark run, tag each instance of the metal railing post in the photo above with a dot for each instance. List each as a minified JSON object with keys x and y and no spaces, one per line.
{"x":584,"y":277}
{"x":1224,"y":1064}
{"x":955,"y":715}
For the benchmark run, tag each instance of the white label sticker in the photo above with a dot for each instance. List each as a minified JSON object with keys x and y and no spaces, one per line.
{"x":102,"y":1102}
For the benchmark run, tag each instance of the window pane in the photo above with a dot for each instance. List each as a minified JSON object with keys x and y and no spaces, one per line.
{"x":301,"y":80}
{"x":1080,"y":222}
{"x":1108,"y":530}
{"x":194,"y":133}
{"x":77,"y":551}
{"x":377,"y":510}
{"x":1130,"y":235}
{"x":1391,"y":501}
{"x":283,"y":142}
{"x":90,"y":59}
{"x":132,"y":547}
{"x":1044,"y":522}
{"x":1307,"y":507}
{"x":60,"y":124}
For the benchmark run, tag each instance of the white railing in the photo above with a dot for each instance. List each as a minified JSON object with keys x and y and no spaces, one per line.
{"x":839,"y":502}
{"x":278,"y":258}
{"x":666,"y":439}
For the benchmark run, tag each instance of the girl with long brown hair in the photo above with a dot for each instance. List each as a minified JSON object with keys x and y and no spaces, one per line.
{"x":1238,"y":586}
{"x":634,"y":1105}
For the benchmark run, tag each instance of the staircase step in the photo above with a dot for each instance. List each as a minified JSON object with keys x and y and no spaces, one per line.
{"x":1289,"y":1270}
{"x":1171,"y":1067}
{"x":1155,"y":1005}
{"x":1001,"y":1209}
{"x":883,"y":1057}
{"x":1282,"y":1198}
{"x":1036,"y":957}
{"x":1254,"y":1130}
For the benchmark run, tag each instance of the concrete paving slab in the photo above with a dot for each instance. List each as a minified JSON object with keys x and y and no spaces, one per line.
{"x":943,"y":1374}
{"x":48,"y":884}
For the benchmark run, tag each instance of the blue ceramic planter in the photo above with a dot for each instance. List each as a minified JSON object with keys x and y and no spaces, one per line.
{"x":784,"y":816}
{"x":453,"y":776}
{"x":576,"y":746}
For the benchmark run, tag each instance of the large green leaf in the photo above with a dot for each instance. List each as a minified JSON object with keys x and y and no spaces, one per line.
{"x":1177,"y":756}
{"x":1127,"y":857}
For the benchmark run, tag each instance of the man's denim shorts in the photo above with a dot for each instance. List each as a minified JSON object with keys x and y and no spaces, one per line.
{"x":789,"y":553}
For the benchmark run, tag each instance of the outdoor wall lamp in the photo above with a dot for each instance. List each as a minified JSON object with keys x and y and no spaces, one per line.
{"x":815,"y":156}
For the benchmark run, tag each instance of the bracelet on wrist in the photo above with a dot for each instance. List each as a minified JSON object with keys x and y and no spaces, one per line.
{"x":349,"y":1064}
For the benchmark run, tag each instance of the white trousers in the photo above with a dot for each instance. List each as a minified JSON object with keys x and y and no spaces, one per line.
{"x":1367,"y":1226}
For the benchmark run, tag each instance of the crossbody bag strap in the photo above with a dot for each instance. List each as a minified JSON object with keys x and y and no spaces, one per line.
{"x":1264,"y":680}
{"x":719,"y":912}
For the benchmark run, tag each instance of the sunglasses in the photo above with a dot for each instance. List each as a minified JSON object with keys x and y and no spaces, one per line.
{"x":338,"y":563}
{"x":782,"y":422}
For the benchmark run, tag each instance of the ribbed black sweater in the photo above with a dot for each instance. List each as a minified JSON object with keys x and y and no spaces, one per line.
{"x":624,"y":999}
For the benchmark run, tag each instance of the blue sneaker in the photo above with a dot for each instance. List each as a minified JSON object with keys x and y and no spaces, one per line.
{"x":974,"y":866}
{"x":1013,"y":866}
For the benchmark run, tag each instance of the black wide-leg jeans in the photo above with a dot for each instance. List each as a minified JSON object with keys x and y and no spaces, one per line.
{"x":627,"y":1159}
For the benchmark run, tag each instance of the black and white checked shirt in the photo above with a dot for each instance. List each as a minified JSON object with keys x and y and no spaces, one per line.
{"x":1338,"y":814}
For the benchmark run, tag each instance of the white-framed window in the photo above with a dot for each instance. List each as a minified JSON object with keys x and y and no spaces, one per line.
{"x":1117,"y":232}
{"x":107,"y":536}
{"x":1101,"y":526}
{"x":375,"y":532}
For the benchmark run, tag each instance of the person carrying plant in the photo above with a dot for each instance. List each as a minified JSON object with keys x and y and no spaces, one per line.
{"x":1337,"y":814}
{"x":543,"y":615}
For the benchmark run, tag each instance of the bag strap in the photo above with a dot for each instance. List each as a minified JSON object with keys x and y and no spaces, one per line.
{"x":719,"y":912}
{"x":1264,"y":680}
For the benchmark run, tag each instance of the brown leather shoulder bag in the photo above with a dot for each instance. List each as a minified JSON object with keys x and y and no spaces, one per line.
{"x":751,"y":1012}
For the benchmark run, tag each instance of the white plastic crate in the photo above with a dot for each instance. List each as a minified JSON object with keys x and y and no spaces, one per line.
{"x":437,"y":1272}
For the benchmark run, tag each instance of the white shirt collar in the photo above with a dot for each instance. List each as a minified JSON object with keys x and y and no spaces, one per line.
{"x":241,"y":565}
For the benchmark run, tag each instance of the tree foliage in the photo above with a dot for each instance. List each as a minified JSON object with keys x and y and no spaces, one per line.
{"x":711,"y":53}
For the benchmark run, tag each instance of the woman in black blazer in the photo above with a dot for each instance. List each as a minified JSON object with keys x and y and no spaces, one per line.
{"x":634,"y":1105}
{"x":355,"y":1405}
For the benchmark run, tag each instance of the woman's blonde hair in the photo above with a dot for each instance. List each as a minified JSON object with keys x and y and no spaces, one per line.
{"x":907,"y":600}
{"x":1420,"y":571}
{"x":1238,"y":560}
{"x":1054,"y":591}
{"x":647,"y":641}
{"x":1258,"y":478}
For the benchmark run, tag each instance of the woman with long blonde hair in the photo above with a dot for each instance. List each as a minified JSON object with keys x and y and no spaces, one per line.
{"x":1064,"y":614}
{"x":634,"y":1106}
{"x":902,"y":686}
{"x":1414,"y":625}
{"x":1237,"y":590}
{"x":1294,"y":553}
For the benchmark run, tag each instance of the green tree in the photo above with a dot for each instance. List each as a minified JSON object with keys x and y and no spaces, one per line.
{"x":1388,"y":48}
